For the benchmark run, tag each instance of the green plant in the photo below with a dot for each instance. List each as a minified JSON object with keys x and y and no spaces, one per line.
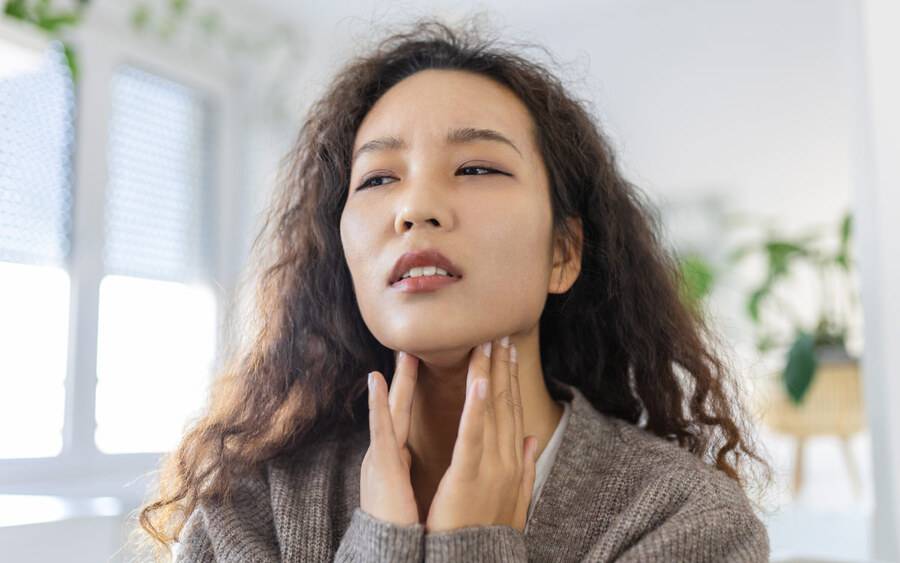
{"x":42,"y":14}
{"x":180,"y":16}
{"x":782,"y":255}
{"x":697,"y":277}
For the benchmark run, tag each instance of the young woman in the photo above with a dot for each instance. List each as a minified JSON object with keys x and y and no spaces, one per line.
{"x":454,"y":222}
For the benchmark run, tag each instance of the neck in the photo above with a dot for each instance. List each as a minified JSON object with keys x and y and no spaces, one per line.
{"x":437,"y":408}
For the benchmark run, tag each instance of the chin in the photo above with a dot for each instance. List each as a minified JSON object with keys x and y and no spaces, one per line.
{"x":437,"y":356}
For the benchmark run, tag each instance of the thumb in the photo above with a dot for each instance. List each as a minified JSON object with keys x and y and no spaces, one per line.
{"x":528,"y":476}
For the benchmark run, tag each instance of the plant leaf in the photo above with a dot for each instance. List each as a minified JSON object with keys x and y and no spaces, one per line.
{"x":842,"y":257}
{"x":801,"y":366}
{"x":17,"y":9}
{"x":140,"y":16}
{"x":178,"y":6}
{"x":71,"y":60}
{"x":53,"y":22}
{"x":780,"y":252}
{"x":756,"y":298}
{"x":766,"y":342}
{"x":846,"y":227}
{"x":698,"y":277}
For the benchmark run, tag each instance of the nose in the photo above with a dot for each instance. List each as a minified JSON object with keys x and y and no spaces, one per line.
{"x":408,"y":224}
{"x":420,"y":206}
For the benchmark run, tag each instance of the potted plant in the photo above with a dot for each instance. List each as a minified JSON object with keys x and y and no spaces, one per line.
{"x":818,"y":390}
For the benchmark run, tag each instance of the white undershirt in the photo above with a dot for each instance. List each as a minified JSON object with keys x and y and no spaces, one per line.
{"x":545,"y":460}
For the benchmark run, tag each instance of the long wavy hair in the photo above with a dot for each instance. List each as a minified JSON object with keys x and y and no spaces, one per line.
{"x":623,"y":334}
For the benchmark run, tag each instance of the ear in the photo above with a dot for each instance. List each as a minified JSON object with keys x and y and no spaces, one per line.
{"x":567,"y":259}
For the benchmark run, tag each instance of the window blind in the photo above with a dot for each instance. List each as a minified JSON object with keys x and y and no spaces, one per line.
{"x":158,"y":195}
{"x":37,"y":107}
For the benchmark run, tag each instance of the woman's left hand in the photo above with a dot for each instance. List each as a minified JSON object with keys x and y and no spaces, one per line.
{"x":492,"y":470}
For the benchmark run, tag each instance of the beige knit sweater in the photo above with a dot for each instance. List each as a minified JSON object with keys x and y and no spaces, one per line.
{"x":614,"y":493}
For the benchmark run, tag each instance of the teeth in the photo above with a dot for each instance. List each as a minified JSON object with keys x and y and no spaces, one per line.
{"x":425,"y":271}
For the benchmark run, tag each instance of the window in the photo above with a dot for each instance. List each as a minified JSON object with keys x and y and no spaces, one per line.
{"x":36,"y":146}
{"x":157,"y":315}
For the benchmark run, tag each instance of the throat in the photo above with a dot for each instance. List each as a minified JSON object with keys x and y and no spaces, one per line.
{"x":424,"y":488}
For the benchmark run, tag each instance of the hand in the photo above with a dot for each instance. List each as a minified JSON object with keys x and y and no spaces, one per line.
{"x":492,"y":470}
{"x":385,"y":487}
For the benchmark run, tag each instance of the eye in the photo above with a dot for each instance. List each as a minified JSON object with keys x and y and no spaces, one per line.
{"x":487,"y":170}
{"x":368,"y":183}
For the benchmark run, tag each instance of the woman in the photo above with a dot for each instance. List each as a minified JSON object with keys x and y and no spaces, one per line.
{"x":450,"y":215}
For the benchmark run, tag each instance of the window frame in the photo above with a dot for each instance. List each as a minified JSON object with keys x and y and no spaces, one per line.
{"x":101,"y":45}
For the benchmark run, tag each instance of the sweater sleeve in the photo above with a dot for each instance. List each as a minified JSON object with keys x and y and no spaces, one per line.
{"x":723,"y":533}
{"x":237,"y":531}
{"x":194,"y":545}
{"x":478,"y":544}
{"x":371,"y":540}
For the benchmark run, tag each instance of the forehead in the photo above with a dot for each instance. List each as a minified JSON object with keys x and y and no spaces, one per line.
{"x":424,"y":106}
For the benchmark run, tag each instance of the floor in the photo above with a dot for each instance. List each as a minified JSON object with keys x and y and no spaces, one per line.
{"x":827,"y":520}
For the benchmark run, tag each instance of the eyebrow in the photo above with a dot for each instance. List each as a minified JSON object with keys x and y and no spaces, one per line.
{"x":454,"y":137}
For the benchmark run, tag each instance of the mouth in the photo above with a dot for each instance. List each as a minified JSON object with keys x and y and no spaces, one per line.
{"x":424,"y":265}
{"x":423,"y":283}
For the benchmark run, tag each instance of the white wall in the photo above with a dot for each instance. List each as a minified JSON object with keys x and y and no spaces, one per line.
{"x":748,"y":97}
{"x":877,"y":177}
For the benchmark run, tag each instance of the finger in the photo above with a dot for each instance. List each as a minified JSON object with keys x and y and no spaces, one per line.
{"x":470,"y":438}
{"x":503,"y":402}
{"x":381,"y":428}
{"x":483,"y":367}
{"x":400,"y":398}
{"x":528,"y":476}
{"x":518,"y":413}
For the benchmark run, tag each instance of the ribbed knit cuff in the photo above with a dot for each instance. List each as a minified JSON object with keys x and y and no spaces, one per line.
{"x":371,"y":540}
{"x":476,"y":544}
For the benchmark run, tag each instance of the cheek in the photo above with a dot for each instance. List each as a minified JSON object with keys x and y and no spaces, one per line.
{"x":362,"y":246}
{"x":356,"y":239}
{"x":513,"y":264}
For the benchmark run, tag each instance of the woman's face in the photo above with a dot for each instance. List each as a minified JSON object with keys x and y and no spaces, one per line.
{"x":434,"y":194}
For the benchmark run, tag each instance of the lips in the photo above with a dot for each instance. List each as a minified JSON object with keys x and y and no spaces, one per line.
{"x":429,"y":257}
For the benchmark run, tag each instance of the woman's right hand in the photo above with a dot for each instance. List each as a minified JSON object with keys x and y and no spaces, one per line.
{"x":385,"y":486}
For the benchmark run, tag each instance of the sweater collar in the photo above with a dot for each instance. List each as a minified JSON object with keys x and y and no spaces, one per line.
{"x":580,"y":461}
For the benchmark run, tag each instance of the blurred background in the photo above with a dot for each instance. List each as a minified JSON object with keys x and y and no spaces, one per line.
{"x":140,"y":140}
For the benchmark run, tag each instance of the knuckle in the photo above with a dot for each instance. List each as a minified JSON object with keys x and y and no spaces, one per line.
{"x":517,"y":406}
{"x":507,"y":397}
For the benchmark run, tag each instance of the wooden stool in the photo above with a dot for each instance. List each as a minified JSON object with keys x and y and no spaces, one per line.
{"x":832,"y":406}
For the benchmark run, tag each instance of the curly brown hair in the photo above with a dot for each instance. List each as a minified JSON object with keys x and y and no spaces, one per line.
{"x":622,"y":334}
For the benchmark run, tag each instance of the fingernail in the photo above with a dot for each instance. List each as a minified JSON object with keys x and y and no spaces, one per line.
{"x":513,"y":355}
{"x":486,"y":348}
{"x":371,"y":382}
{"x":482,"y":388}
{"x":504,"y":342}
